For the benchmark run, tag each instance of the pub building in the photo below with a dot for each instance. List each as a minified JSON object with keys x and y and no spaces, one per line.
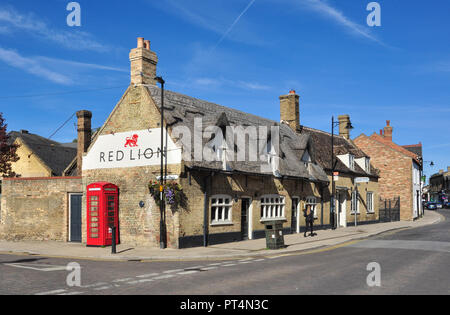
{"x":216,"y":200}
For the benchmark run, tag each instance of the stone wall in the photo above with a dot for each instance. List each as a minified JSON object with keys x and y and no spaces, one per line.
{"x":37,"y":208}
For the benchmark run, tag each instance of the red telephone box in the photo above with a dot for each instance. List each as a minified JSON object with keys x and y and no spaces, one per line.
{"x":102,"y":213}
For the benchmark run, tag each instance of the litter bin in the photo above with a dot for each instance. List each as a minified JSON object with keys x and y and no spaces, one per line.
{"x":274,"y":234}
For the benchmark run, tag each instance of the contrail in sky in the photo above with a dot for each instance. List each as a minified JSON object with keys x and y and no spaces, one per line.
{"x":232,"y":25}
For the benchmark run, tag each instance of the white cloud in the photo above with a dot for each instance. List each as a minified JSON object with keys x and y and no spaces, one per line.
{"x":32,"y":66}
{"x":215,"y":16}
{"x":65,"y":72}
{"x":222,"y":82}
{"x":11,"y":20}
{"x":325,"y":9}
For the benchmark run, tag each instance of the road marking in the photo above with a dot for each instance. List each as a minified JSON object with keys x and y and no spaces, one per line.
{"x":187,"y":272}
{"x":71,"y":293}
{"x":164,"y":277}
{"x":140,"y":281}
{"x":433,"y":246}
{"x":259,"y":259}
{"x":245,"y":262}
{"x":51,"y":292}
{"x":93,"y":285}
{"x":123,"y":280}
{"x":173,"y":271}
{"x":148,"y":275}
{"x":38,"y":267}
{"x":228,"y":265}
{"x":106,"y":287}
{"x":209,"y":268}
{"x":216,"y":264}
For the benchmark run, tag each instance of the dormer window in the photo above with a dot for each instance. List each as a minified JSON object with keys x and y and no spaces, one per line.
{"x":351,"y":162}
{"x":306,"y":157}
{"x":367,"y":169}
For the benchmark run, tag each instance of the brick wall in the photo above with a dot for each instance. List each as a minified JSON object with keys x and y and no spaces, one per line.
{"x":395,"y":173}
{"x":36,"y":208}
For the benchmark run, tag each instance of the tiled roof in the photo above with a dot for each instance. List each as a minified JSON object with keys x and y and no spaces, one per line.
{"x":56,"y":156}
{"x":180,"y":110}
{"x":322,"y":145}
{"x":395,"y":146}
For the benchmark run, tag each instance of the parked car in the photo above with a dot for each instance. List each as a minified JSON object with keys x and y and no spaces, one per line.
{"x":447,"y":204}
{"x":431,"y":205}
{"x":439,"y":205}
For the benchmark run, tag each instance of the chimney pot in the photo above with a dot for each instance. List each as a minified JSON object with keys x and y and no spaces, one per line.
{"x":140,"y":42}
{"x":388,"y":131}
{"x":143,"y":63}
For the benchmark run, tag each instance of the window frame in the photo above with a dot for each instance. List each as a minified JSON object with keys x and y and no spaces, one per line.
{"x":372,"y":199}
{"x":274,"y":207}
{"x":223,"y":205}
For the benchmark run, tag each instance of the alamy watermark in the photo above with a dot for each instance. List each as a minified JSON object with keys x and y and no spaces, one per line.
{"x":374,"y":277}
{"x":74,"y":277}
{"x":74,"y":17}
{"x":374,"y":17}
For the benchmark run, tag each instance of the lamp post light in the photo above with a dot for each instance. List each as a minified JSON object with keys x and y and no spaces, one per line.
{"x":162,"y":230}
{"x":333,"y":214}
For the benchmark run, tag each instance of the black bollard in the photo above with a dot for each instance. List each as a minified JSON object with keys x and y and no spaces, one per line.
{"x":113,"y":246}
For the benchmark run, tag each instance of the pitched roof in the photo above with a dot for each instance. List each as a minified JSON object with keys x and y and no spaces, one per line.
{"x":322,"y":145}
{"x":414,"y":148}
{"x":56,"y":156}
{"x":180,"y":110}
{"x":395,"y":146}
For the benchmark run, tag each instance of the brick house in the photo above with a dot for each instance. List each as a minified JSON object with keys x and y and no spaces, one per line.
{"x":400,"y":170}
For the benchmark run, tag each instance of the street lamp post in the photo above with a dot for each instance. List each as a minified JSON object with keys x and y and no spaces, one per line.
{"x":162,"y":232}
{"x":333,"y":187}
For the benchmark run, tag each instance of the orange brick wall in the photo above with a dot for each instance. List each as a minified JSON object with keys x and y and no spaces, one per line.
{"x":395,"y":173}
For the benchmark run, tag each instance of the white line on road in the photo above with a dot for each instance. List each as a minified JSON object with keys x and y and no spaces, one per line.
{"x":148,"y":275}
{"x":209,"y":268}
{"x":187,"y":272}
{"x":173,"y":271}
{"x":163,"y":277}
{"x":51,"y":292}
{"x":140,"y":281}
{"x":93,"y":285}
{"x":123,"y":280}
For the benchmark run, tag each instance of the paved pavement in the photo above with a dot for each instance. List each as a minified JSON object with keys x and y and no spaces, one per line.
{"x":412,"y":261}
{"x":250,"y":248}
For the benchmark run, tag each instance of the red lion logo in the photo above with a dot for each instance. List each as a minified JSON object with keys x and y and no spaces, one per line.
{"x":131,"y":141}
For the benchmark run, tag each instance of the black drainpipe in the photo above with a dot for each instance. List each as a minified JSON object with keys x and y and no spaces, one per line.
{"x":205,"y":210}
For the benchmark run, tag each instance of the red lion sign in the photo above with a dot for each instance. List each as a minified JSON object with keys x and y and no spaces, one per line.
{"x":131,"y":141}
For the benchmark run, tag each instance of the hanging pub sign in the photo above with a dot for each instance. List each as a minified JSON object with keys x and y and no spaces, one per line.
{"x":130,"y":149}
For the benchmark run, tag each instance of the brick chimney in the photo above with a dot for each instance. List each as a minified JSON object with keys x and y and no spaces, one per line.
{"x":143,"y":63}
{"x":84,"y":136}
{"x":388,"y":131}
{"x":290,"y":110}
{"x":344,"y":123}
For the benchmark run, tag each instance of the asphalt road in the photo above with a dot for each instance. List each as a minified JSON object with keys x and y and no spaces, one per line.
{"x":413,"y":261}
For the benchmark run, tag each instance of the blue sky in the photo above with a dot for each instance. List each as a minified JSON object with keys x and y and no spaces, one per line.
{"x":237,"y":53}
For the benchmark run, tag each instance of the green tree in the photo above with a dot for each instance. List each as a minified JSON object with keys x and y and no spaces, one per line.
{"x":8,"y":150}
